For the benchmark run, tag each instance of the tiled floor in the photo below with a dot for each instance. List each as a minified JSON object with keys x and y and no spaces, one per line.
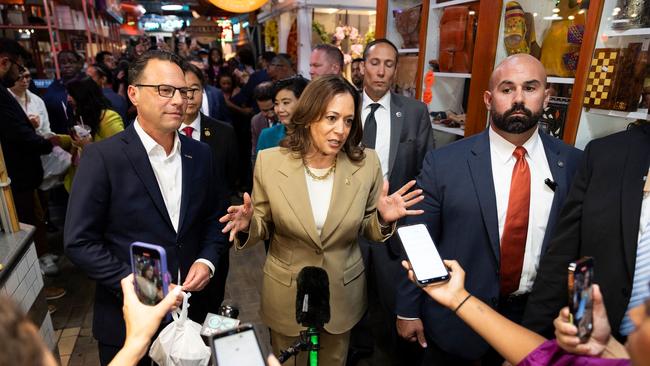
{"x":73,"y":318}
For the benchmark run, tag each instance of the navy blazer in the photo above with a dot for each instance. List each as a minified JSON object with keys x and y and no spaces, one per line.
{"x":217,"y":104}
{"x":461,"y":215}
{"x":115,"y":200}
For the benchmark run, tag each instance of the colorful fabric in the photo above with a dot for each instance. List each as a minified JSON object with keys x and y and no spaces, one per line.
{"x":515,"y":32}
{"x":575,"y":34}
{"x":549,"y":353}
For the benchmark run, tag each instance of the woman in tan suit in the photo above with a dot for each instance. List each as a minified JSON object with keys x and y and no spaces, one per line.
{"x":313,"y":196}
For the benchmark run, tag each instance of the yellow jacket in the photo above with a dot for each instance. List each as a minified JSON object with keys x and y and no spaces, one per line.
{"x":110,"y":124}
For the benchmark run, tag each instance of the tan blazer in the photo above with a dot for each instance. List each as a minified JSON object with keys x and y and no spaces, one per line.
{"x":282,"y":212}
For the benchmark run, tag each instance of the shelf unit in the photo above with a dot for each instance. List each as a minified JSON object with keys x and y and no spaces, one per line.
{"x":619,"y":114}
{"x":408,"y":50}
{"x":452,"y":130}
{"x":628,"y":32}
{"x":557,"y":80}
{"x":458,"y":75}
{"x":450,"y":3}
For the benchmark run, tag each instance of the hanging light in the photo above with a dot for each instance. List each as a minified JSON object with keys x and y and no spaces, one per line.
{"x":172,"y":7}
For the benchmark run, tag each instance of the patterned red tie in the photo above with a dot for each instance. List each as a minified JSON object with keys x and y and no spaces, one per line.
{"x":188,"y":131}
{"x":513,"y":241}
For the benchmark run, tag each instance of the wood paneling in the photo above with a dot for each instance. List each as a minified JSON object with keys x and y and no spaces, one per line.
{"x":381,"y":18}
{"x":424,"y":23}
{"x":482,"y":64}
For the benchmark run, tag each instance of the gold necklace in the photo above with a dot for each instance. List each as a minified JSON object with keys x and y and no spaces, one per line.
{"x":331,"y":170}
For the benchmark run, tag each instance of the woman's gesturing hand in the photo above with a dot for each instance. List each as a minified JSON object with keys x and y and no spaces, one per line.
{"x":394,"y":207}
{"x":238,"y":218}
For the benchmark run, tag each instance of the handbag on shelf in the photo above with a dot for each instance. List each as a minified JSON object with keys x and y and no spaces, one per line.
{"x":407,"y":23}
{"x":457,"y":29}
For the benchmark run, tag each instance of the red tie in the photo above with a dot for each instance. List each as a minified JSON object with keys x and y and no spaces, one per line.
{"x":188,"y":131}
{"x":513,"y":241}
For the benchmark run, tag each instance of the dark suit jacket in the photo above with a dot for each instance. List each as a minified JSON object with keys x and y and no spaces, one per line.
{"x":101,"y":224}
{"x":600,"y":219}
{"x":411,"y":137}
{"x":217,"y":105}
{"x":118,"y":102}
{"x":221,"y":138}
{"x":461,"y":215}
{"x":21,"y":145}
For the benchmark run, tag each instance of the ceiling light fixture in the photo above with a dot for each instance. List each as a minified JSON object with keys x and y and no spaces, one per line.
{"x":172,"y":7}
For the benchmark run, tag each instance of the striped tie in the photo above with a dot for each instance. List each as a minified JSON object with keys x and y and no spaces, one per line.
{"x":640,"y":289}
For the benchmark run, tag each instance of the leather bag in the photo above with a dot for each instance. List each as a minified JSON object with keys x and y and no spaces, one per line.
{"x":457,"y":28}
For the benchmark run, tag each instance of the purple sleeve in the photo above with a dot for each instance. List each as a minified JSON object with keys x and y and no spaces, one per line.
{"x":549,"y":353}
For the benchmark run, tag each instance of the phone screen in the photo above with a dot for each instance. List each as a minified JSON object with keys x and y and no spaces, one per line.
{"x":423,"y":254}
{"x":238,"y":349}
{"x":148,"y":275}
{"x":581,"y":301}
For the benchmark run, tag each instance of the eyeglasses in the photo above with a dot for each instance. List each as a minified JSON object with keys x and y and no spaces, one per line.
{"x":25,"y":77}
{"x":168,"y":91}
{"x":191,"y":91}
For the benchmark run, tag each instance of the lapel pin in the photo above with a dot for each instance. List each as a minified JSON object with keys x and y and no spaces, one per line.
{"x":188,"y":156}
{"x":206,"y":132}
{"x":560,"y":164}
{"x":347,"y":181}
{"x":398,"y":114}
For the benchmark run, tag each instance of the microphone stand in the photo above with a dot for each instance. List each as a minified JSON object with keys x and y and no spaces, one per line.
{"x":309,"y":341}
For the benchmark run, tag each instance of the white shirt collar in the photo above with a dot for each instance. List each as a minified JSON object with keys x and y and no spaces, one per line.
{"x":504,"y":148}
{"x":196,"y":124}
{"x":384,"y":101}
{"x":151,"y":144}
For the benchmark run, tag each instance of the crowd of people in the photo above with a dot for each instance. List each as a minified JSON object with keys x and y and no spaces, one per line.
{"x":195,"y":153}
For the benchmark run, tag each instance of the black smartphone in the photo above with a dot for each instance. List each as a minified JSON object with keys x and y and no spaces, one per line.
{"x":581,"y":300}
{"x":149,"y":265}
{"x":237,"y":347}
{"x":423,"y":254}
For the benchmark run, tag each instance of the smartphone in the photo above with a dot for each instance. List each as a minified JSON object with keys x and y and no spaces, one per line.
{"x":237,"y":347}
{"x":149,"y":265}
{"x":423,"y":254}
{"x":581,"y":300}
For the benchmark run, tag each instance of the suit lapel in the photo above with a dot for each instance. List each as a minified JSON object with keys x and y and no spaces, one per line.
{"x":396,"y":123}
{"x":636,"y":167}
{"x":137,"y":155}
{"x":187,"y":160}
{"x":343,"y":193}
{"x":480,"y":166}
{"x":557,"y":165}
{"x":294,"y":189}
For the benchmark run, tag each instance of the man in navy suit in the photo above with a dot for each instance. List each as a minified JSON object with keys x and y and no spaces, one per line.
{"x":491,"y":202}
{"x":150,"y":184}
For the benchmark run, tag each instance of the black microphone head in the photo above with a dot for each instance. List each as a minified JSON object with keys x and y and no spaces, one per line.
{"x":313,"y":297}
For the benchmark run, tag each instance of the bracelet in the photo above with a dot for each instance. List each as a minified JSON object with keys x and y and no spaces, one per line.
{"x":461,"y":303}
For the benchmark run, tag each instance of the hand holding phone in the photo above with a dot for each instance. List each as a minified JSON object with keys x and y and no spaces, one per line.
{"x":581,"y":300}
{"x":149,"y":266}
{"x":237,"y":347}
{"x":421,"y":251}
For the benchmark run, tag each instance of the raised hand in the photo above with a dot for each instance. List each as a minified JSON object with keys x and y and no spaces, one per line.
{"x":566,"y":333}
{"x":394,"y":207}
{"x":238,"y":218}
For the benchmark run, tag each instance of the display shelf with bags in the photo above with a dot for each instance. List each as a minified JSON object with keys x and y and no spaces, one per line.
{"x":617,"y":81}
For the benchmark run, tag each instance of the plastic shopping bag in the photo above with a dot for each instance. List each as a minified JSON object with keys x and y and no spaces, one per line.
{"x":180,"y":343}
{"x":55,"y":164}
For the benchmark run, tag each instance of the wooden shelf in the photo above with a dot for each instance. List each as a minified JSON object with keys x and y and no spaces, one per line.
{"x":409,"y":50}
{"x":557,"y":80}
{"x":453,"y":130}
{"x":628,"y":32}
{"x":452,"y":75}
{"x":450,"y":3}
{"x":619,"y":114}
{"x":24,"y":26}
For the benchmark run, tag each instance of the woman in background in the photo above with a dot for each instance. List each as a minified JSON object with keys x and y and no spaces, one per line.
{"x":94,"y":118}
{"x":286,"y":93}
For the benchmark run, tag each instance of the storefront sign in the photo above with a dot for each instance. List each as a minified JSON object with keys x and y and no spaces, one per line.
{"x":158,"y":23}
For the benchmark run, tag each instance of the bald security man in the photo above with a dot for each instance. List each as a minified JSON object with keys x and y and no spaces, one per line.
{"x":491,"y":203}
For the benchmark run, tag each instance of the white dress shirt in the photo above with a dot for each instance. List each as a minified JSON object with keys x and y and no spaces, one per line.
{"x":168,"y":170}
{"x":35,"y":105}
{"x":205,"y":107}
{"x":541,"y":197}
{"x":320,"y":195}
{"x":382,"y":116}
{"x":196,"y":128}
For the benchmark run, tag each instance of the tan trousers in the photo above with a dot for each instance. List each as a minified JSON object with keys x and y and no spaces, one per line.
{"x":333,"y":348}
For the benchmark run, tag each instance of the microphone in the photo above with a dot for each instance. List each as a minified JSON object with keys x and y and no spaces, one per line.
{"x":552,"y":185}
{"x":312,"y":311}
{"x":313,"y":297}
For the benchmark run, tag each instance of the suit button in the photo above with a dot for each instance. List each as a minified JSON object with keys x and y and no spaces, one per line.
{"x":319,"y":251}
